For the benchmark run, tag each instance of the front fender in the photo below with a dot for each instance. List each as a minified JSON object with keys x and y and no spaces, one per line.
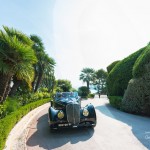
{"x":91,"y":109}
{"x":52,"y":113}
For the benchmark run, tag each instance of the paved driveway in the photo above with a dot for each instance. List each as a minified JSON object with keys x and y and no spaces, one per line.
{"x":115,"y":130}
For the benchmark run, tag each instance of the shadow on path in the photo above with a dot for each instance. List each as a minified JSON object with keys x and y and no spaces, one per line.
{"x":48,"y":140}
{"x":140,"y":125}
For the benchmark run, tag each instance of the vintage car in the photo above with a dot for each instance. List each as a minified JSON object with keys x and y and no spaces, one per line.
{"x":66,"y":111}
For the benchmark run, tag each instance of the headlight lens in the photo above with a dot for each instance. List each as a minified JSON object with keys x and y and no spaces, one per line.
{"x":85,"y":112}
{"x":60,"y":114}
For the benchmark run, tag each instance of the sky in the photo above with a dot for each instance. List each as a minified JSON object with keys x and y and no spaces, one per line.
{"x":81,"y":33}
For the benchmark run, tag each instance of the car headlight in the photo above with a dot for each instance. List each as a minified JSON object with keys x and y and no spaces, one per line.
{"x":60,"y":114}
{"x":85,"y":112}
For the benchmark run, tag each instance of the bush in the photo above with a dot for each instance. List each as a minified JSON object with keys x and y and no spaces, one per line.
{"x":120,"y":75}
{"x":7,"y":123}
{"x":137,"y":96}
{"x":32,"y":97}
{"x":112,"y":65}
{"x":91,"y":95}
{"x":142,"y":64}
{"x":115,"y":101}
{"x":83,"y":91}
{"x":8,"y":106}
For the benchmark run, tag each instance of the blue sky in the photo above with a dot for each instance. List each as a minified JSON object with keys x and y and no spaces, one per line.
{"x":81,"y":33}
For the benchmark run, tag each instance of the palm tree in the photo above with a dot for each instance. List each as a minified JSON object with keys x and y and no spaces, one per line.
{"x":87,"y":75}
{"x":45,"y":64}
{"x":16,"y":58}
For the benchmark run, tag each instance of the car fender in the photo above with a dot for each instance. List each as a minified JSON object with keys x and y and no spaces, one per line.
{"x":52,"y":113}
{"x":91,"y":109}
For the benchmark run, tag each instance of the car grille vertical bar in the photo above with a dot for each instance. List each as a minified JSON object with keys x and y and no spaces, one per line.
{"x":73,"y":113}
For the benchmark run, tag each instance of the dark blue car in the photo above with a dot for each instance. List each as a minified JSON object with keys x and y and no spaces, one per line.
{"x":66,"y":111}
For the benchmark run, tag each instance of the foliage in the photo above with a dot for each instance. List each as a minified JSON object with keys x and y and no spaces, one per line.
{"x":83,"y":91}
{"x":10,"y":105}
{"x":137,"y":96}
{"x":142,"y":64}
{"x":87,"y":75}
{"x":63,"y":85}
{"x":7,"y":123}
{"x":31,"y":97}
{"x":100,"y":81}
{"x":111,"y":66}
{"x":13,"y":103}
{"x":44,"y":68}
{"x":73,"y":90}
{"x":16,"y":59}
{"x":120,"y":75}
{"x":115,"y":101}
{"x":90,"y":95}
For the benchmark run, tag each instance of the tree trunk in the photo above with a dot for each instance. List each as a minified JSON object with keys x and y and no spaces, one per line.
{"x":8,"y":88}
{"x":15,"y":86}
{"x":35,"y":77}
{"x":88,"y":85}
{"x":4,"y":81}
{"x":38,"y":82}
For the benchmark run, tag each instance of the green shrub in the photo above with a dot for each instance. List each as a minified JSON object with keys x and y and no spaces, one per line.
{"x":137,"y":96}
{"x":120,"y":75}
{"x":112,"y":65}
{"x":142,"y":64}
{"x":90,"y":95}
{"x":115,"y":101}
{"x":7,"y":123}
{"x":83,"y":91}
{"x":3,"y":111}
{"x":10,"y":105}
{"x":31,"y":97}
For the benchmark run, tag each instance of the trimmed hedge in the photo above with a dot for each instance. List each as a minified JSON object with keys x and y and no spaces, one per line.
{"x":142,"y":64}
{"x":7,"y":123}
{"x":112,"y":65}
{"x":83,"y":91}
{"x":120,"y":75}
{"x":115,"y":101}
{"x":91,"y":95}
{"x":137,"y":96}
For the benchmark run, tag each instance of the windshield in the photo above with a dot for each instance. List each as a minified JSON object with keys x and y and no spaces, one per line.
{"x":66,"y":95}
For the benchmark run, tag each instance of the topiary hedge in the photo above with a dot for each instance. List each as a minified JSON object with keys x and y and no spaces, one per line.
{"x":112,"y":65}
{"x":137,"y":96}
{"x":142,"y":64}
{"x":90,"y":95}
{"x":115,"y":101}
{"x":120,"y":75}
{"x":7,"y":123}
{"x":83,"y":91}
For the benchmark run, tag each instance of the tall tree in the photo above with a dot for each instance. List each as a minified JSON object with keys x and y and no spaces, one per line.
{"x":45,"y":65}
{"x":16,"y":58}
{"x":101,"y":76}
{"x":87,"y":75}
{"x":63,"y":85}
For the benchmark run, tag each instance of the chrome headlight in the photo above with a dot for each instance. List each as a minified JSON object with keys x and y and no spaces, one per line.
{"x":85,"y":112}
{"x":60,"y":114}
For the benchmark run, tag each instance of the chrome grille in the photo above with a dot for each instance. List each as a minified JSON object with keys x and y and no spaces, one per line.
{"x":73,"y":113}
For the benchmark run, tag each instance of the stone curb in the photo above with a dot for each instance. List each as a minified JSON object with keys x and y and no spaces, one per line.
{"x":17,"y":137}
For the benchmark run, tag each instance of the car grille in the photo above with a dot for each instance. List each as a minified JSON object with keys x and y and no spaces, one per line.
{"x":73,"y":113}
